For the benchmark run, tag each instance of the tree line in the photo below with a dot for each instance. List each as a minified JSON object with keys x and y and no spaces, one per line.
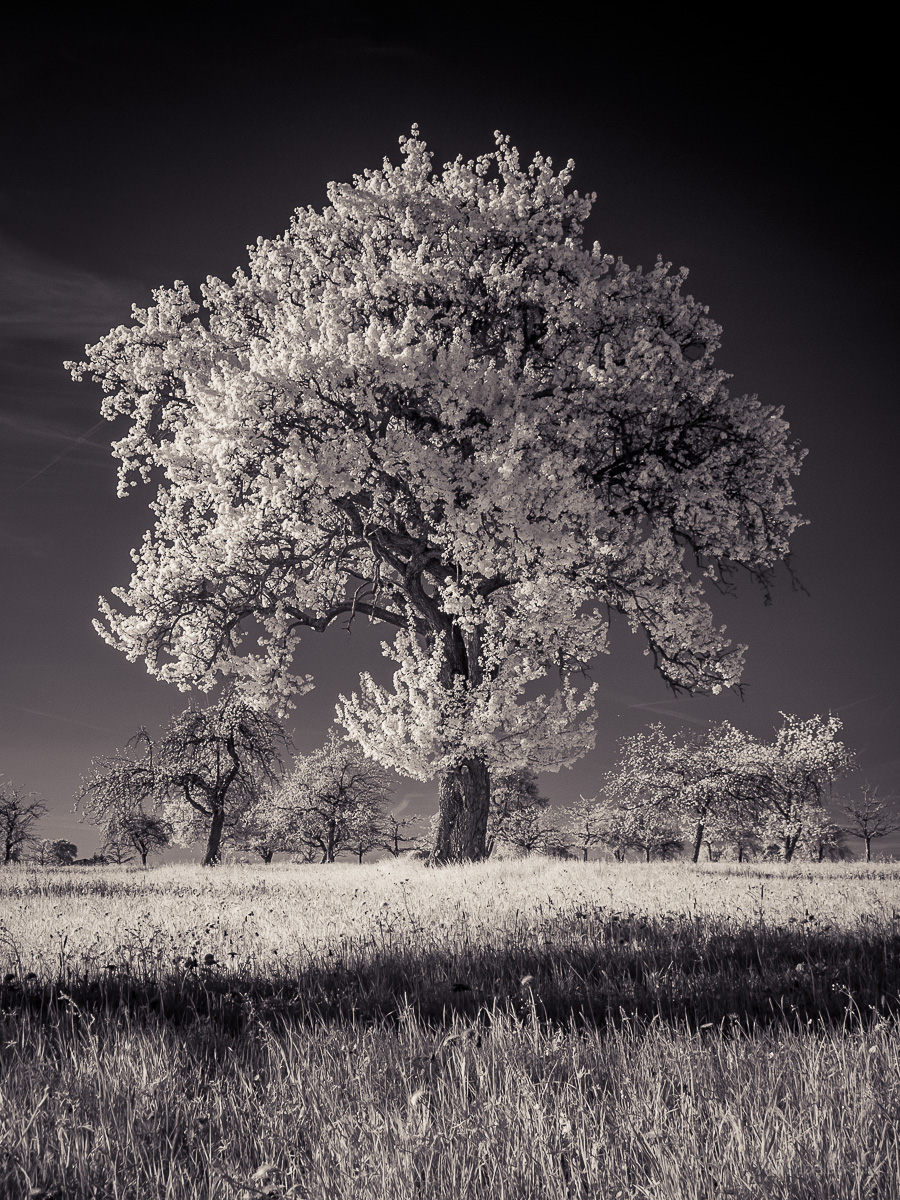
{"x":218,"y":776}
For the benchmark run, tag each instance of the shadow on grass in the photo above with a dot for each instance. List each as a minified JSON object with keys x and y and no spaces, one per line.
{"x":685,"y":971}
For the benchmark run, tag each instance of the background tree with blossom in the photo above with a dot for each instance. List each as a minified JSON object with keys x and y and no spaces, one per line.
{"x":331,"y":801}
{"x":345,"y":434}
{"x":196,"y":782}
{"x":790,"y":779}
{"x":639,"y":798}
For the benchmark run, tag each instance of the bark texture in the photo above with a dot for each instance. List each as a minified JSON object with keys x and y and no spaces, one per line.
{"x":465,"y":796}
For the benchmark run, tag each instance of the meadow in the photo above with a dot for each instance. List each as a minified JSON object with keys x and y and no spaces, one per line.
{"x":504,"y":1030}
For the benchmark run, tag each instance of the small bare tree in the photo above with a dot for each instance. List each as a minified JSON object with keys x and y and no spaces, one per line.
{"x":871,"y":818}
{"x":586,"y":824}
{"x":141,"y":832}
{"x":19,"y":813}
{"x":394,"y":835}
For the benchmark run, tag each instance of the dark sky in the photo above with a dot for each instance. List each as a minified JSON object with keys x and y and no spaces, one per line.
{"x":757,"y":157}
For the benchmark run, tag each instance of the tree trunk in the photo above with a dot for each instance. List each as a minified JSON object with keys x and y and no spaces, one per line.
{"x":585,"y":852}
{"x":647,"y":853}
{"x":465,"y":796}
{"x":868,"y":849}
{"x":215,"y":837}
{"x":144,"y":854}
{"x":267,"y":855}
{"x":698,"y":842}
{"x":790,"y":845}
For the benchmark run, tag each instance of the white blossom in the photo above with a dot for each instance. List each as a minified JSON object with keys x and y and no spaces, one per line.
{"x":430,"y":405}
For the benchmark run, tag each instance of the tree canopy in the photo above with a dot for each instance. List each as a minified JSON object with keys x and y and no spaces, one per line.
{"x":431,"y":406}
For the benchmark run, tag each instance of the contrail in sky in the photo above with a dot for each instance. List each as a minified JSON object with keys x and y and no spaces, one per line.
{"x":71,"y":446}
{"x":36,"y":712}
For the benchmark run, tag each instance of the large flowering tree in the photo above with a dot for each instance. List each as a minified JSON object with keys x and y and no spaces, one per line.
{"x":430,"y":405}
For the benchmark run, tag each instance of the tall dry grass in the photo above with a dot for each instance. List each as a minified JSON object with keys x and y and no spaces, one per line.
{"x":508,"y":1030}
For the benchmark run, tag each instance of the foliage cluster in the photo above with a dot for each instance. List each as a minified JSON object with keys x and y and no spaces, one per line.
{"x":727,"y":789}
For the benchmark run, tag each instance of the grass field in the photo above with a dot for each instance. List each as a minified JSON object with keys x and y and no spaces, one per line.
{"x":515,"y":1029}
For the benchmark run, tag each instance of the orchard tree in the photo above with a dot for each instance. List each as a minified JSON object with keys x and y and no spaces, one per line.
{"x":254,"y":831}
{"x":822,"y":838}
{"x":870,"y":818}
{"x":792,"y":777}
{"x":55,"y":853}
{"x":531,"y":830}
{"x":333,"y":799}
{"x":586,"y":824}
{"x":114,"y":796}
{"x":431,"y":406}
{"x":640,"y":797}
{"x":211,"y":764}
{"x":19,"y":813}
{"x":516,"y":813}
{"x":399,"y":830}
{"x":706,"y":772}
{"x":135,"y":832}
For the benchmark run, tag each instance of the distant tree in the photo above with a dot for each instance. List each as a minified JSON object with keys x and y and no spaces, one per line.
{"x":333,"y":799}
{"x":790,"y":777}
{"x":368,"y":834}
{"x":119,"y":853}
{"x":143,"y":832}
{"x":640,"y":797}
{"x":585,"y":824}
{"x":649,"y":829}
{"x":870,"y":818}
{"x":19,"y":813}
{"x":253,"y":831}
{"x":211,"y":764}
{"x":705,"y":772}
{"x":533,"y":831}
{"x":58,"y":853}
{"x":745,"y":842}
{"x":114,"y":796}
{"x":398,"y":830}
{"x":517,"y":813}
{"x":822,"y":838}
{"x":432,"y":406}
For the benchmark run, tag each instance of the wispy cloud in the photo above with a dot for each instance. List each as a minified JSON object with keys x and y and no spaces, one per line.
{"x":668,"y":710}
{"x":43,"y":298}
{"x":35,"y":712}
